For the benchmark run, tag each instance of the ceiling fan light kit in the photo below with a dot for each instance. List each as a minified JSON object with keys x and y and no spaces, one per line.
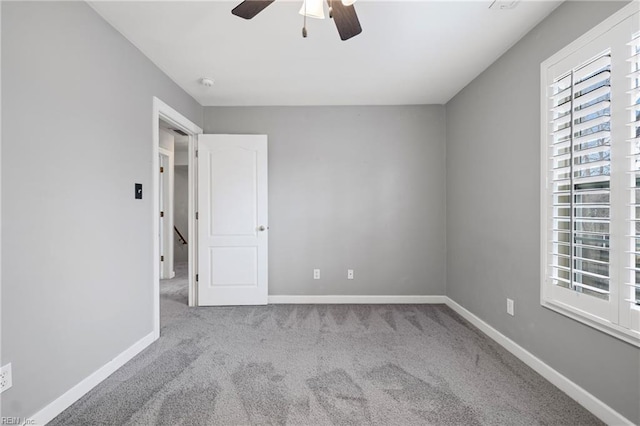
{"x":312,"y":9}
{"x":341,"y":11}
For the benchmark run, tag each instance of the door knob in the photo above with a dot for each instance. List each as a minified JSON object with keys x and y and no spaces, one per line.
{"x":262,"y":228}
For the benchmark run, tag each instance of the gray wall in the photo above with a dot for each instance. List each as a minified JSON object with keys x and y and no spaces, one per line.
{"x":180,"y":212}
{"x":77,"y":248}
{"x":493,"y":220}
{"x":351,"y":187}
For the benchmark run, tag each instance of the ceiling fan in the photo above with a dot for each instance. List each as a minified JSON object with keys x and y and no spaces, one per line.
{"x":341,"y":11}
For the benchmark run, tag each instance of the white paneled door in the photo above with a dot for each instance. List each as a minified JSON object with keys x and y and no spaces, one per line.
{"x":232,"y":220}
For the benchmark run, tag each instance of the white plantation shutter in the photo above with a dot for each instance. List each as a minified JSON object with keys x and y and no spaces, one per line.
{"x":581,"y":149}
{"x":634,"y":97}
{"x":590,"y":212}
{"x":630,"y":295}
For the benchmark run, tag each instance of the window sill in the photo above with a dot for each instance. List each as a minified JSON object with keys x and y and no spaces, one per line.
{"x":629,"y":336}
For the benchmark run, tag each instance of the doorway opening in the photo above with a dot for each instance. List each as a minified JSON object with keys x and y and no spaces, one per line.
{"x":174,"y":209}
{"x":181,"y":213}
{"x":174,"y":218}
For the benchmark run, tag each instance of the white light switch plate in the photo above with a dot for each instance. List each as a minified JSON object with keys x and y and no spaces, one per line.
{"x":510,"y":307}
{"x":349,"y":274}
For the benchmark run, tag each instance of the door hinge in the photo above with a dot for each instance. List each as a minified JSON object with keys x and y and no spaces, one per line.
{"x":161,"y":214}
{"x":161,"y":169}
{"x":161,"y":258}
{"x":197,"y":277}
{"x":196,"y":153}
{"x":196,"y":215}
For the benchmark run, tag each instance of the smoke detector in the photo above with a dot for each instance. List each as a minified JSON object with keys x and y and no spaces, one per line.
{"x":206,"y":82}
{"x":503,"y":4}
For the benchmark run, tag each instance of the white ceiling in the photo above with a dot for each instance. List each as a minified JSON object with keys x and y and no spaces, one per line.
{"x":410,"y":52}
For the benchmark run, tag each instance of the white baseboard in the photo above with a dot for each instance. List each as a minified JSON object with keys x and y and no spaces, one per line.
{"x":49,"y":412}
{"x":347,"y":299}
{"x":584,"y":398}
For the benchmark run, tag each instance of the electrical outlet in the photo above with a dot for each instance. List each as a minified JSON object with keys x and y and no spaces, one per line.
{"x":349,"y":274}
{"x":5,"y":378}
{"x":316,"y":274}
{"x":510,"y":307}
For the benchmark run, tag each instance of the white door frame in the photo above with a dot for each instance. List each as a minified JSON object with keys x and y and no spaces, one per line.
{"x":163,"y":111}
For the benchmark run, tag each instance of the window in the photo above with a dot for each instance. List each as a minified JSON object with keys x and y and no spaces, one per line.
{"x":590,"y":208}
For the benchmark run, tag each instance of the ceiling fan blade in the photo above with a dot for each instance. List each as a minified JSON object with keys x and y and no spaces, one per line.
{"x":250,"y":8}
{"x":346,"y":19}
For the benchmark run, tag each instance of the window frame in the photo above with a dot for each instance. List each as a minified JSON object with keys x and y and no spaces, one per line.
{"x":620,"y":318}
